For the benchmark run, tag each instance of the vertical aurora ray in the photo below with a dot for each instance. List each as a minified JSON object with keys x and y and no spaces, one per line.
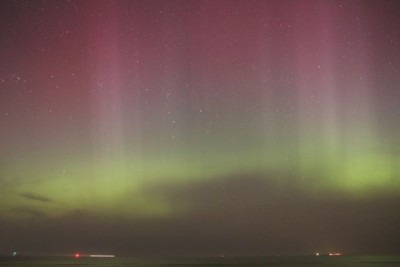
{"x":337,"y":136}
{"x":120,"y":118}
{"x":106,"y":100}
{"x":318,"y":97}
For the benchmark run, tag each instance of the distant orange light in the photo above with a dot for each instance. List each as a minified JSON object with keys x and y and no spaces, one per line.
{"x":77,"y":255}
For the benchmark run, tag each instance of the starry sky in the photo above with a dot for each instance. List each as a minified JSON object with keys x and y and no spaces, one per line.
{"x":220,"y":127}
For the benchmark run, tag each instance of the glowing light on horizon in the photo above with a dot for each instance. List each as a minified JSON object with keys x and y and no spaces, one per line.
{"x":102,"y":256}
{"x":335,"y":254}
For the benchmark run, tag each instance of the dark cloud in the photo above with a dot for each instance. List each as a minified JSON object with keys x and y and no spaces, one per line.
{"x":36,"y":197}
{"x":250,"y":214}
{"x":25,"y":210}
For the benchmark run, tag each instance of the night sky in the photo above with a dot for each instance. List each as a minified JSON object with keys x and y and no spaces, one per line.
{"x":193,"y":127}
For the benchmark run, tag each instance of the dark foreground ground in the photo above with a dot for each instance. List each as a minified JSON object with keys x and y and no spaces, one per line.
{"x":354,"y":261}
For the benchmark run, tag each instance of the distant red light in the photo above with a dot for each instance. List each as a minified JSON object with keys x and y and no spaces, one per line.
{"x":77,"y":255}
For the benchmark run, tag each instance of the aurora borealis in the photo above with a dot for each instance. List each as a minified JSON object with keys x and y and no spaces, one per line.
{"x":199,"y":127}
